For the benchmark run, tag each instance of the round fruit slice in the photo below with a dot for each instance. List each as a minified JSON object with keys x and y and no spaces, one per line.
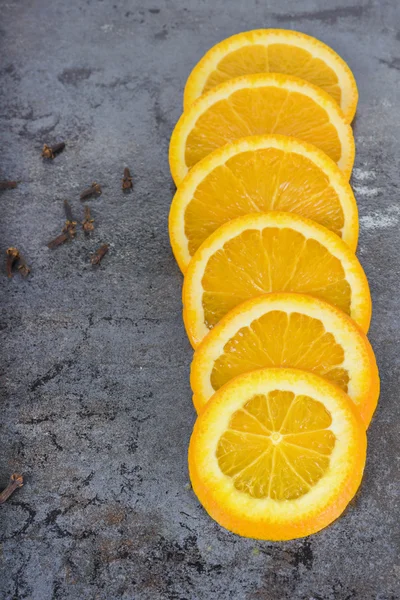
{"x":271,"y":252}
{"x":288,"y":330}
{"x":277,"y":454}
{"x":275,"y":51}
{"x":259,"y":104}
{"x":259,"y":174}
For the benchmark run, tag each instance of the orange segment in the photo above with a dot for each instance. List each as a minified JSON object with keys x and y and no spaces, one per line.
{"x":258,"y":105}
{"x":275,"y":51}
{"x":277,"y":454}
{"x":287,"y":330}
{"x":271,"y":252}
{"x":259,"y":174}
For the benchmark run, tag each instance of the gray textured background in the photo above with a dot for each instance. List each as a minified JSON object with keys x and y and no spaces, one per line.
{"x":96,"y":409}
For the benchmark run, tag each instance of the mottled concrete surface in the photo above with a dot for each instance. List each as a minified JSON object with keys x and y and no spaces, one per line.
{"x":96,"y":407}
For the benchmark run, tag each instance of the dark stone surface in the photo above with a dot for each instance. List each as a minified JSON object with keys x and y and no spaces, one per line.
{"x":96,"y":406}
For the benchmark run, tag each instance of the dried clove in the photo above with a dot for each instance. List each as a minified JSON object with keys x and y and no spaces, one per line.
{"x":16,"y":481}
{"x":8,"y":185}
{"x":127,"y":180}
{"x":12,"y":257}
{"x":52,"y":151}
{"x":99,"y":254}
{"x":70,"y":224}
{"x":15,"y":258}
{"x":87,"y":223}
{"x":60,"y":239}
{"x":22,"y":267}
{"x":68,"y":231}
{"x":94,"y":190}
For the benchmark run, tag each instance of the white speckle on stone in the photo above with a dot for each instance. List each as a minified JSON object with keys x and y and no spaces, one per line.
{"x":380,"y":220}
{"x":366,"y":191}
{"x":107,"y":27}
{"x":363,"y":174}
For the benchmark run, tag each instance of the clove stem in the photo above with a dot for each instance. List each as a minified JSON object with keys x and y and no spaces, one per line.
{"x":99,"y":254}
{"x":60,"y":239}
{"x":16,"y":481}
{"x":127,"y":179}
{"x":8,"y":185}
{"x":68,"y":211}
{"x":94,"y":190}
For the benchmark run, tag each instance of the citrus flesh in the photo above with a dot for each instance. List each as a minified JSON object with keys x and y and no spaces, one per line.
{"x":259,"y":174}
{"x":277,"y":454}
{"x":271,"y":252}
{"x":275,"y":51}
{"x":287,"y":330}
{"x":260,"y":104}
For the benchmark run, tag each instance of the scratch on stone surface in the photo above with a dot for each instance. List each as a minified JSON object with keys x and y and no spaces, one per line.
{"x":330,"y":15}
{"x":161,"y":35}
{"x":393,"y":63}
{"x":182,"y":512}
{"x":39,"y":420}
{"x":304,"y":555}
{"x":51,"y":374}
{"x":74,"y":76}
{"x":31,"y":514}
{"x":379,"y":220}
{"x":53,"y":438}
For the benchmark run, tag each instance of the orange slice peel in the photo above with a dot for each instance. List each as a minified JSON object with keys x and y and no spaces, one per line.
{"x":289,"y":331}
{"x":277,"y":454}
{"x":260,"y":173}
{"x":271,"y":252}
{"x":278,"y":51}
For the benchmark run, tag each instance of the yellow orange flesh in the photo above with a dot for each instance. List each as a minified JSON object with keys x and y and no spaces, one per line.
{"x":259,"y":174}
{"x":271,"y":252}
{"x":278,"y":445}
{"x":260,"y":104}
{"x":287,"y":330}
{"x":275,"y":51}
{"x":276,"y":259}
{"x":277,"y":454}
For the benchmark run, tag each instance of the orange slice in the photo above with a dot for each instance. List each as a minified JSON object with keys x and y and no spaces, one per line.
{"x":277,"y":454}
{"x":288,"y":330}
{"x":259,"y":174}
{"x":271,"y":252}
{"x":275,"y":51}
{"x":259,"y":104}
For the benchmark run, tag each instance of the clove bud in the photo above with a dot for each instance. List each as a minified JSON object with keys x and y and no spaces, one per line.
{"x":87,"y":223}
{"x":12,"y":256}
{"x":68,"y":231}
{"x":15,"y":258}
